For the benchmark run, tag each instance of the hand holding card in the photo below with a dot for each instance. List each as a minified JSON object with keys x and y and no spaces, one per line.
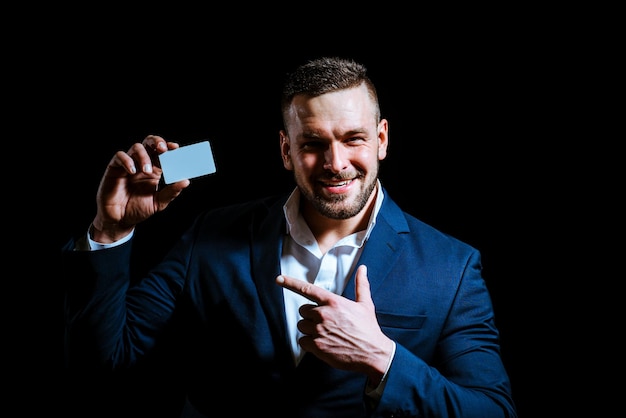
{"x":187,"y":162}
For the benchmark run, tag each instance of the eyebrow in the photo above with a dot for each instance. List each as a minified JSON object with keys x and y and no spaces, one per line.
{"x":314,"y":134}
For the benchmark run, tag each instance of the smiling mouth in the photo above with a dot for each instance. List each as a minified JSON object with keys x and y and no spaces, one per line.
{"x":336,"y":184}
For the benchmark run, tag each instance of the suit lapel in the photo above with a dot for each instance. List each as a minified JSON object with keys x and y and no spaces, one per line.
{"x":382,"y":248}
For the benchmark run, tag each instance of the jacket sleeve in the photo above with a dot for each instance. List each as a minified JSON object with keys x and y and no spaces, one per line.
{"x":97,"y":286}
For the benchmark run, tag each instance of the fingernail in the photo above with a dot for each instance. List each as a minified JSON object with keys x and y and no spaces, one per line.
{"x":147,"y":168}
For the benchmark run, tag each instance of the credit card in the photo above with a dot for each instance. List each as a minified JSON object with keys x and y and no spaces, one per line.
{"x":187,"y":162}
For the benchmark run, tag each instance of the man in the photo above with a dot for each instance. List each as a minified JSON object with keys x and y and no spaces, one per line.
{"x":327,"y":302}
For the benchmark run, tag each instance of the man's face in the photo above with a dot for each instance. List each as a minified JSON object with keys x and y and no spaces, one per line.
{"x":333,"y":145}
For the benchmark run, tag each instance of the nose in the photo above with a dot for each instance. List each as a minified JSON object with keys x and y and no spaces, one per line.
{"x":335,"y":158}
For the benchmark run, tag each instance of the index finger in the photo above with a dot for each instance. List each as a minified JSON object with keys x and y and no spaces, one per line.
{"x":302,"y":287}
{"x":156,"y":143}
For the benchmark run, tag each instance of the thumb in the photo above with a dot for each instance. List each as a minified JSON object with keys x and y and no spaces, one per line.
{"x":170,"y":192}
{"x":362,"y":284}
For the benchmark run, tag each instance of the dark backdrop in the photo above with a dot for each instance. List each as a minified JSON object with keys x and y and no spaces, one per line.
{"x":464,"y":116}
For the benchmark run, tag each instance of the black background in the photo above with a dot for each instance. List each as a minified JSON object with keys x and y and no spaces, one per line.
{"x":472,"y":144}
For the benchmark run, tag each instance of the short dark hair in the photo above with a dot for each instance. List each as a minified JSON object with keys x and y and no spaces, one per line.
{"x":325,"y":75}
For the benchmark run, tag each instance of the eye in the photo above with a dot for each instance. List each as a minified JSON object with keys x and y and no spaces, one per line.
{"x":354,"y":140}
{"x":313,"y":145}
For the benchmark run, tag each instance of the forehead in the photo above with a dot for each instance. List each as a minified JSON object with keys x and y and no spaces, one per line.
{"x":348,"y":104}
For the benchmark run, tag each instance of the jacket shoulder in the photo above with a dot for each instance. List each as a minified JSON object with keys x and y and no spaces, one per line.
{"x":243,"y":213}
{"x":407,"y":224}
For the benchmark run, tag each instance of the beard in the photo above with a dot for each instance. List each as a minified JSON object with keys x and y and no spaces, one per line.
{"x":340,"y":206}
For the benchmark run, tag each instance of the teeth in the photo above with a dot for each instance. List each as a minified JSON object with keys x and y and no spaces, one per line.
{"x":343,"y":183}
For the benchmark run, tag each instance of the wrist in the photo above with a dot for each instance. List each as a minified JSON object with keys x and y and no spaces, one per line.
{"x":380,"y":372}
{"x":107,"y":233}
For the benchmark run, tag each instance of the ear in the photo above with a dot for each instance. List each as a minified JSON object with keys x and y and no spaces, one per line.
{"x":383,"y":139}
{"x":285,"y":150}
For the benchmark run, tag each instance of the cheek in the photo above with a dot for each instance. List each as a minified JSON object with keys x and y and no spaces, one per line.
{"x":307,"y":162}
{"x":365,"y":157}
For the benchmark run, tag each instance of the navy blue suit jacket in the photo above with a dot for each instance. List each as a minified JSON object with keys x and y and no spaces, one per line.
{"x":217,"y":285}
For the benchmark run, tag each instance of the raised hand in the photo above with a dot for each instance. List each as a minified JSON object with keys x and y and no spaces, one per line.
{"x":129,"y":189}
